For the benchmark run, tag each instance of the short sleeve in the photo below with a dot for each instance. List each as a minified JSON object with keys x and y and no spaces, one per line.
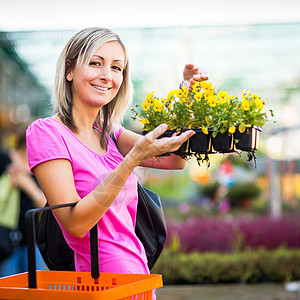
{"x":117,"y":131}
{"x":44,"y":142}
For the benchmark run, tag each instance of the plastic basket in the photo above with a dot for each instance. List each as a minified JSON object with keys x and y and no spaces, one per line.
{"x":62,"y":285}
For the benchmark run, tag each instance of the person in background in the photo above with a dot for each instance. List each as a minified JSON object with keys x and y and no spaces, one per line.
{"x":80,"y":162}
{"x":15,"y":163}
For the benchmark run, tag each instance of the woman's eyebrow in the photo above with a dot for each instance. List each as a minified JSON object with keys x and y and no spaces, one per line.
{"x":102,"y":58}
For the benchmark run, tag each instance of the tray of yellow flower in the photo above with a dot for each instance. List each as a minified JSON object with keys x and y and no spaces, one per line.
{"x":223,"y":123}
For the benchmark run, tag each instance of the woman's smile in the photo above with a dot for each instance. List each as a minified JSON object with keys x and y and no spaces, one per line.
{"x":100,"y":88}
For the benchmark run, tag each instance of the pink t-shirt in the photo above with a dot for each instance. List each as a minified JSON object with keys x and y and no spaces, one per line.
{"x":120,"y":250}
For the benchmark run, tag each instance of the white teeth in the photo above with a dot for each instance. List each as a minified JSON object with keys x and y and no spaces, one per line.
{"x":99,"y":88}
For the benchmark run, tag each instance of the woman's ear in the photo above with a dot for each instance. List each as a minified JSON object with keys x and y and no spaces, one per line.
{"x":69,"y":75}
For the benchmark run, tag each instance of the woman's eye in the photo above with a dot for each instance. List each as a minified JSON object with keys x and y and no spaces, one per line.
{"x":95,"y":63}
{"x":117,"y":68}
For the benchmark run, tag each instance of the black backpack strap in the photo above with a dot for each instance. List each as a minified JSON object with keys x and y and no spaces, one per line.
{"x":56,"y":253}
{"x":31,"y":241}
{"x":113,"y":138}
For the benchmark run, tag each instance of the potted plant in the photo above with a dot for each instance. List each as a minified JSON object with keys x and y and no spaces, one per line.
{"x":220,"y":117}
{"x":251,"y":119}
{"x":243,"y":194}
{"x":173,"y":110}
{"x":200,"y":143}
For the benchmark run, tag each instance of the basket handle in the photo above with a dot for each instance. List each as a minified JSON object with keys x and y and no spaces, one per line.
{"x":31,"y":242}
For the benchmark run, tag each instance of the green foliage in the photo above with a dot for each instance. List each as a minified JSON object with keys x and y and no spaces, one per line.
{"x":172,"y":186}
{"x":202,"y":107}
{"x":281,"y":265}
{"x":209,"y":189}
{"x":243,"y":190}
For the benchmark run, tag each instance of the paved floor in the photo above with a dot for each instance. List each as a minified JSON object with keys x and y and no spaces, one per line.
{"x":226,"y":292}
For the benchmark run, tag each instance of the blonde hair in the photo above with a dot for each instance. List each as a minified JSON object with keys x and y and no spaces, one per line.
{"x":79,"y":50}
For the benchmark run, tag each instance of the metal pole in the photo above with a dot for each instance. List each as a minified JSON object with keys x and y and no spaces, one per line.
{"x":275,"y":200}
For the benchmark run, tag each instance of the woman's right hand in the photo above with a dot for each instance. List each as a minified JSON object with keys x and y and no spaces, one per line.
{"x":150,"y":146}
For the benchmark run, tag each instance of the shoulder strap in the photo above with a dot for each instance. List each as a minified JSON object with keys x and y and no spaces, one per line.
{"x":114,"y":139}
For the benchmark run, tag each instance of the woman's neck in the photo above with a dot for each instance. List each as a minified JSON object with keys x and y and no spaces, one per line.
{"x":86,"y":132}
{"x":84,"y":119}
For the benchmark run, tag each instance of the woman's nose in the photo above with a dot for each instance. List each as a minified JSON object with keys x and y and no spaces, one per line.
{"x":106,"y":74}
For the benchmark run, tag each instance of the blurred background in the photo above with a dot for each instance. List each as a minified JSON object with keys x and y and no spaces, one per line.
{"x":253,"y":45}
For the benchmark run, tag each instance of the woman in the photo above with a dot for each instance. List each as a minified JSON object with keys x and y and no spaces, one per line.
{"x":78,"y":161}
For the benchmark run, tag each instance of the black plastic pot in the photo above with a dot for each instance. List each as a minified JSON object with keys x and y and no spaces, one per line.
{"x":248,"y":140}
{"x":200,"y":143}
{"x":182,"y":151}
{"x":223,"y":143}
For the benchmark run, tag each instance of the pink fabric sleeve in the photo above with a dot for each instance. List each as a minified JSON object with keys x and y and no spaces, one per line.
{"x":117,"y":131}
{"x":44,"y":143}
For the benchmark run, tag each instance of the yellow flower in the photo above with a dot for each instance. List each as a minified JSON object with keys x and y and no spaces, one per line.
{"x":259,"y":104}
{"x":172,"y":94}
{"x":147,"y":103}
{"x":212,"y":100}
{"x":198,"y":96}
{"x":208,"y":93}
{"x":196,"y":87}
{"x":223,"y":96}
{"x":183,"y":93}
{"x":206,"y":85}
{"x":245,"y":104}
{"x":157,"y":106}
{"x":183,"y":100}
{"x":231,"y":98}
{"x":232,"y":129}
{"x":144,"y":121}
{"x":204,"y":129}
{"x":242,"y":128}
{"x":150,"y":96}
{"x":254,"y":97}
{"x":244,"y":94}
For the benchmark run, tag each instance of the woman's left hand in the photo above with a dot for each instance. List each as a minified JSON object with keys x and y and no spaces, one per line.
{"x":191,"y":74}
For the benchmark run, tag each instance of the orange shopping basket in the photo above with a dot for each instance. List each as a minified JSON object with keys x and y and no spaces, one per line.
{"x":63,"y":285}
